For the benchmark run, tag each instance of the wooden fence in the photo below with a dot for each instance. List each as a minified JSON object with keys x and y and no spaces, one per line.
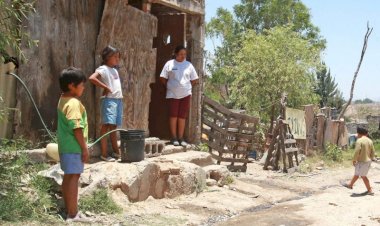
{"x":230,"y":136}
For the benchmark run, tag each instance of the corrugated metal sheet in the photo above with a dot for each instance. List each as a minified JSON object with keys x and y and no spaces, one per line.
{"x":8,"y":94}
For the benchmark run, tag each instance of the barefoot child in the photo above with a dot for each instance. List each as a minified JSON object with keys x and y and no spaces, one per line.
{"x":107,"y":77}
{"x":364,"y":154}
{"x":72,"y":138}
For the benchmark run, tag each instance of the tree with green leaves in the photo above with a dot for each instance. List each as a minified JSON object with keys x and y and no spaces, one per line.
{"x":364,"y":101}
{"x":270,"y":64}
{"x":252,"y":15}
{"x":327,"y":89}
{"x":259,"y":15}
{"x":12,"y":35}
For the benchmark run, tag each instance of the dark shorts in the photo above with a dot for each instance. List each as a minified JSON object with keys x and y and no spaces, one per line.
{"x":179,"y":108}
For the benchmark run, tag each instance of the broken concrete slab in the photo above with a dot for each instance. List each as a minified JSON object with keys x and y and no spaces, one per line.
{"x":36,"y":155}
{"x":220,"y":173}
{"x":152,"y":177}
{"x":199,"y":158}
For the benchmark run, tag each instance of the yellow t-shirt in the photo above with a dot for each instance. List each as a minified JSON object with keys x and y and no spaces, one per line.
{"x":364,"y":150}
{"x":71,"y":115}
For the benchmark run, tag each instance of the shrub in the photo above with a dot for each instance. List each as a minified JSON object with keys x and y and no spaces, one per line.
{"x":99,"y":201}
{"x":334,"y":153}
{"x":202,"y":147}
{"x":23,"y":195}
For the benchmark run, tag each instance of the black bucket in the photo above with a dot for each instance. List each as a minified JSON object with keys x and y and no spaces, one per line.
{"x":132,"y":145}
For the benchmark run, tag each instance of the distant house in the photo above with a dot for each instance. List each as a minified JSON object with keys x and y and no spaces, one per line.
{"x":72,"y":33}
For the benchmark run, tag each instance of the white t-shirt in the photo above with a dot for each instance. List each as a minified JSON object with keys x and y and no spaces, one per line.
{"x":179,"y":75}
{"x":111,"y":78}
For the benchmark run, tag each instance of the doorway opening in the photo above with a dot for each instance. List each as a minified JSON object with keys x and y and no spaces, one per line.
{"x":171,"y":33}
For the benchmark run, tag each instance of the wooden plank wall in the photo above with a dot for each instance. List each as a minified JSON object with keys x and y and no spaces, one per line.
{"x":67,"y":32}
{"x":195,"y":45}
{"x":132,"y":32}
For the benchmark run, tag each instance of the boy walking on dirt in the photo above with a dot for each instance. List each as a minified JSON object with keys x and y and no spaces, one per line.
{"x":72,"y":138}
{"x":364,"y":154}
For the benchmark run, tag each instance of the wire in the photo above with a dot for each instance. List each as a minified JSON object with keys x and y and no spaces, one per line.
{"x":34,"y":104}
{"x":43,"y":122}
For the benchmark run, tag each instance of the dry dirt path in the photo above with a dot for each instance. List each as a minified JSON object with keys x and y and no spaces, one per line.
{"x":267,"y":198}
{"x":326,"y":203}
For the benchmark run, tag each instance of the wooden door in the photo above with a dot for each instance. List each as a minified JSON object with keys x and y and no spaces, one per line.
{"x":131,"y":31}
{"x":171,"y":33}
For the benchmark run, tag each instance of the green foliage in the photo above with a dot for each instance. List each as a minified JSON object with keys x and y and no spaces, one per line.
{"x":23,"y":195}
{"x":260,"y":15}
{"x":17,"y":144}
{"x":327,"y":89}
{"x":202,"y":147}
{"x":234,"y":28}
{"x":12,"y":13}
{"x":229,"y":180}
{"x":270,"y":64}
{"x":364,"y":101}
{"x":3,"y":110}
{"x":334,"y":153}
{"x":99,"y":201}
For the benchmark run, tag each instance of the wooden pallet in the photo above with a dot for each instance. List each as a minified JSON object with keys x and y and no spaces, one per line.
{"x":230,"y":136}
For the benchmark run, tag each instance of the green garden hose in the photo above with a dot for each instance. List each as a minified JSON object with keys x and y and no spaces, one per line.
{"x":42,"y":120}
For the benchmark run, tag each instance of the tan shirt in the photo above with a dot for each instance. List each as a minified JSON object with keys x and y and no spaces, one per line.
{"x":364,"y":150}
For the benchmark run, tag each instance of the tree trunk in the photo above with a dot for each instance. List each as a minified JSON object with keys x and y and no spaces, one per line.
{"x":366,"y":36}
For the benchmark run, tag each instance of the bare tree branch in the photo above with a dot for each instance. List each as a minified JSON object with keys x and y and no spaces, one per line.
{"x":366,"y":36}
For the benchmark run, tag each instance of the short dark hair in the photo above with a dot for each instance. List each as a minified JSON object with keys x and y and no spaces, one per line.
{"x":178,"y":49}
{"x":362,"y":131}
{"x":71,"y":75}
{"x":108,"y":52}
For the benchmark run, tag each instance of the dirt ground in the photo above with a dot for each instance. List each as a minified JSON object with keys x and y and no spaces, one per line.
{"x":260,"y":197}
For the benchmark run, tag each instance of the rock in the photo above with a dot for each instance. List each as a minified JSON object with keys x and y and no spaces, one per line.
{"x":264,"y":158}
{"x":54,"y":173}
{"x":301,"y":157}
{"x":36,"y":155}
{"x":171,"y":149}
{"x":211,"y":182}
{"x":150,"y":198}
{"x":89,"y":214}
{"x":171,"y":207}
{"x":219,"y":173}
{"x":199,"y":158}
{"x":321,"y":164}
{"x":319,"y":168}
{"x":149,"y":178}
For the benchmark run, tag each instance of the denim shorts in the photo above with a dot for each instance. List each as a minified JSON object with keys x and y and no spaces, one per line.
{"x":112,"y":111}
{"x":71,"y":163}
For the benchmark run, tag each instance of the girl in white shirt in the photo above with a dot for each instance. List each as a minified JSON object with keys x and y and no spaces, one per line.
{"x":178,"y":76}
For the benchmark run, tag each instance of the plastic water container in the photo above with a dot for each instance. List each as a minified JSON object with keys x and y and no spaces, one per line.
{"x":132,"y":145}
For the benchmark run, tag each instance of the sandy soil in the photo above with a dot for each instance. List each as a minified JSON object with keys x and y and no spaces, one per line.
{"x":266,"y":198}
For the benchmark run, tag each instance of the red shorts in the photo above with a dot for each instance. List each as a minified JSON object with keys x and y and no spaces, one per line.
{"x":179,"y":108}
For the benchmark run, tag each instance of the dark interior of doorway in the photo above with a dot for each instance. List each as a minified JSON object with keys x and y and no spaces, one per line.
{"x":171,"y":33}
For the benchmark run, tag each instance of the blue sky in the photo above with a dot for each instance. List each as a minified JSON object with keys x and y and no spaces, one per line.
{"x":343,"y":25}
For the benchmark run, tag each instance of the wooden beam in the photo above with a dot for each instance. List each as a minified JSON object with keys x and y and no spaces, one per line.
{"x":187,"y":6}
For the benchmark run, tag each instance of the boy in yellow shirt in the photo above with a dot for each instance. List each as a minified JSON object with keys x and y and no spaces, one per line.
{"x":364,"y":154}
{"x":72,"y":138}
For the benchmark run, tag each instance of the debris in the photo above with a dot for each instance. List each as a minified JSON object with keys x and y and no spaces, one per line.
{"x":89,"y":214}
{"x":53,"y":172}
{"x":332,"y":204}
{"x":211,"y":182}
{"x":171,"y":207}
